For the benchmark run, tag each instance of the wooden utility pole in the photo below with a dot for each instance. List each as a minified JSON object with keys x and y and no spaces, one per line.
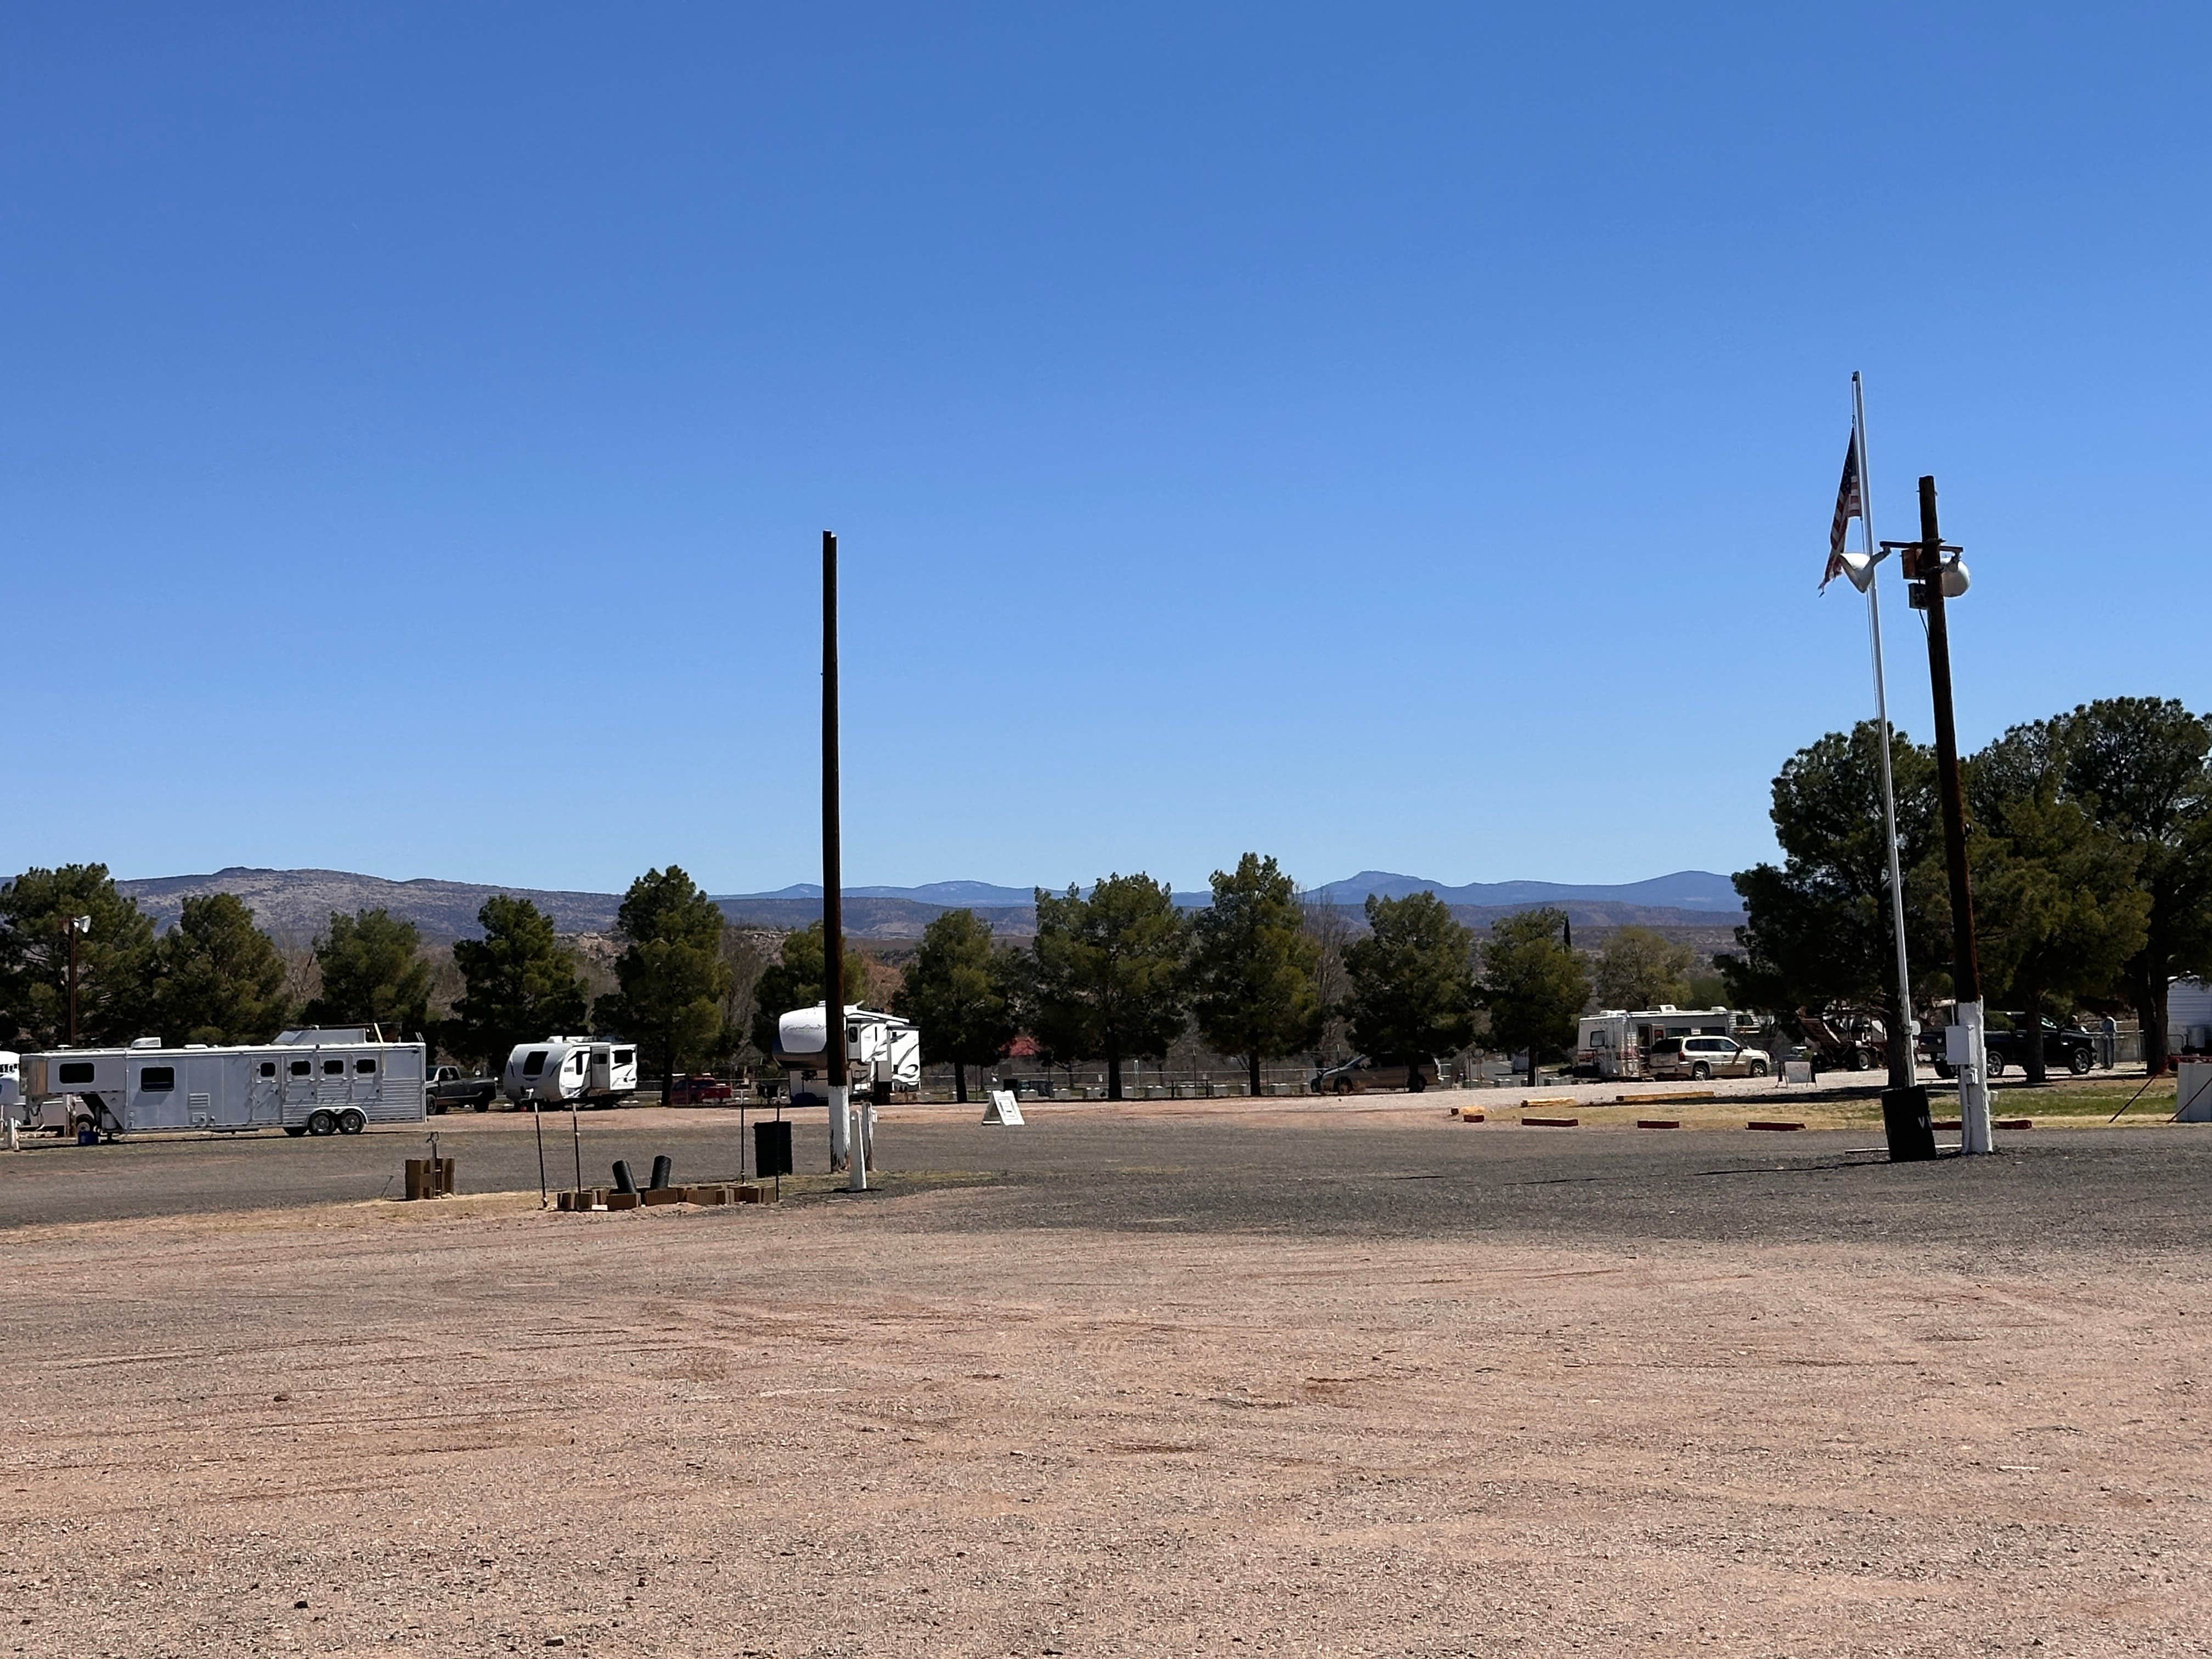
{"x":842,"y":1155}
{"x":1927,"y":572}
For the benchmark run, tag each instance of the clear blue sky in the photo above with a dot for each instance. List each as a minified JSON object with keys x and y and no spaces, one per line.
{"x":1380,"y":436}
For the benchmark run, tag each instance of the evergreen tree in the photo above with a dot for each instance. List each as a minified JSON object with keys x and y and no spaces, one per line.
{"x":217,"y":978}
{"x":1106,"y":974}
{"x":2138,"y":767}
{"x":521,"y":985}
{"x":1413,"y":980}
{"x":115,"y":960}
{"x":672,"y":975}
{"x":795,"y":979}
{"x":957,"y":993}
{"x":373,"y":974}
{"x":1534,"y":985}
{"x":1253,"y":966}
{"x":1818,"y":928}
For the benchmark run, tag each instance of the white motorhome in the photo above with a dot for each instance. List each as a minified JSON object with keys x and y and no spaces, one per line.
{"x":880,"y":1049}
{"x":1615,"y":1042}
{"x":590,"y":1071}
{"x":319,"y":1080}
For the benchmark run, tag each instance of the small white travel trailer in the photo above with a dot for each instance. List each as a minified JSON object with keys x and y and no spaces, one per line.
{"x":2189,"y":1017}
{"x":1613,"y":1042}
{"x":11,"y":1086}
{"x":320,"y":1080}
{"x":589,"y":1071}
{"x":880,"y":1049}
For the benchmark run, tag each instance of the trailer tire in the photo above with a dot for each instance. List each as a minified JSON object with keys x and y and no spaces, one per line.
{"x":352,"y":1121}
{"x":322,"y":1123}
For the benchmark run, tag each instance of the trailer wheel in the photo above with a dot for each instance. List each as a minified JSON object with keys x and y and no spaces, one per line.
{"x":322,"y":1123}
{"x":352,"y":1121}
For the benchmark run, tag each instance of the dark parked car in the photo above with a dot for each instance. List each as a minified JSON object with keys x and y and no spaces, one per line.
{"x":1359,"y":1074}
{"x":2065,"y":1047}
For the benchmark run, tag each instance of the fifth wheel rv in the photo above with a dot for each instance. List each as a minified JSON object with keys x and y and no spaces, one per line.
{"x":880,"y":1049}
{"x":317,"y":1081}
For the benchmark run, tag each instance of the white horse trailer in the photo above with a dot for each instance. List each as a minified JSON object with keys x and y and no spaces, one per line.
{"x":317,"y":1081}
{"x":880,"y":1049}
{"x":586,"y":1070}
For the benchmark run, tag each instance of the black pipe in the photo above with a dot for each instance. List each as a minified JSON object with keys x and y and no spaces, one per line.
{"x":622,"y":1183}
{"x":663,"y":1167}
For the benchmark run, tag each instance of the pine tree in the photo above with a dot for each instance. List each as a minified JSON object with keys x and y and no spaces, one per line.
{"x":957,"y":993}
{"x":1253,"y":966}
{"x":217,"y":978}
{"x":522,"y":987}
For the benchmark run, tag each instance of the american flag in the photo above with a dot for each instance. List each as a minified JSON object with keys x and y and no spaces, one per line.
{"x":1849,"y":506}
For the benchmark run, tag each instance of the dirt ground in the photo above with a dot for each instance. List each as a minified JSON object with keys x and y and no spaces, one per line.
{"x":916,"y":1423}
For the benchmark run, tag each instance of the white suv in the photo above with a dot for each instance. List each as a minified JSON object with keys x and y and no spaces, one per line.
{"x":1703,"y":1057}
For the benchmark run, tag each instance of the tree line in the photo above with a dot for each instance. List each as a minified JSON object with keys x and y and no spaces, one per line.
{"x":216,"y":977}
{"x":1121,"y":973}
{"x":2090,"y":845}
{"x":1118,"y":975}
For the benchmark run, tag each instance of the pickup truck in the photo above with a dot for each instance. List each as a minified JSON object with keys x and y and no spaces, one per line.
{"x":448,"y":1091}
{"x":2065,"y":1047}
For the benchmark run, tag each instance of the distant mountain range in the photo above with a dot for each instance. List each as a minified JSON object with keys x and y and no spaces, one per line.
{"x":1686,"y":889}
{"x":294,"y":905}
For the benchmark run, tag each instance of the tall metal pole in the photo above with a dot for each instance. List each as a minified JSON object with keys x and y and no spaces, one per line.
{"x":1966,"y":964}
{"x":72,"y":976}
{"x":842,"y":1153}
{"x":1901,"y":1069}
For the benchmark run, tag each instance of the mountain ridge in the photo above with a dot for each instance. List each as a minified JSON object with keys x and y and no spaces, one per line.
{"x":294,"y":905}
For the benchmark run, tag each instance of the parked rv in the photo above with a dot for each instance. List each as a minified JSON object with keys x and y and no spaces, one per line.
{"x":586,"y":1070}
{"x":882,"y":1051}
{"x":315,"y":1081}
{"x":1616,"y":1043}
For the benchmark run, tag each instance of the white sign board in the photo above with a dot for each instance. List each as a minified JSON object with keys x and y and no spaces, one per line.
{"x":1003,"y":1108}
{"x":2193,"y":1091}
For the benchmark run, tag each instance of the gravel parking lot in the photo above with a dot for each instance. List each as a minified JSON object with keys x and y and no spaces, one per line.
{"x":1135,"y":1382}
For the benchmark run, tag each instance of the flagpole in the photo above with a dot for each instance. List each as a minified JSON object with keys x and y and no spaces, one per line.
{"x":1881,"y":719}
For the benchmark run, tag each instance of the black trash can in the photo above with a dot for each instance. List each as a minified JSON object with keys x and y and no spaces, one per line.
{"x":772,"y":1148}
{"x":1904,"y":1122}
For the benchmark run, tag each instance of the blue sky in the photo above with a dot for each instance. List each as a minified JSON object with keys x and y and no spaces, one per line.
{"x":1399,"y":436}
